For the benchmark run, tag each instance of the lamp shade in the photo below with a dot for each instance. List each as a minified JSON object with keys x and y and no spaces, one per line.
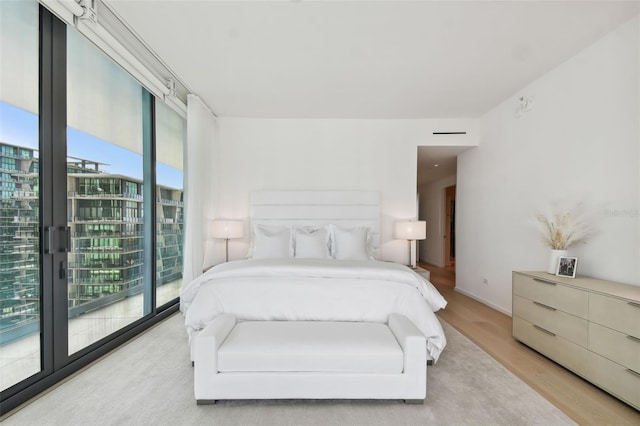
{"x":410,"y":230}
{"x":227,"y":229}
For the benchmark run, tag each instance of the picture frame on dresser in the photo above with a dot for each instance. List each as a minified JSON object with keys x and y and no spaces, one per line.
{"x":567,"y":267}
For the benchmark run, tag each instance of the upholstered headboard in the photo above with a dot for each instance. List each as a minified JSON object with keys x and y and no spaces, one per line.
{"x":315,"y":208}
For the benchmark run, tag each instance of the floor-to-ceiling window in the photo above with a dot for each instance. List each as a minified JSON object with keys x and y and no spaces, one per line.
{"x":105,"y":118}
{"x":88,"y":240}
{"x":171,"y":134}
{"x":19,"y":212}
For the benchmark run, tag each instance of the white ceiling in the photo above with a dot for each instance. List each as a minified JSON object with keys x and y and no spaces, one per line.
{"x":381,"y":59}
{"x":364,"y":59}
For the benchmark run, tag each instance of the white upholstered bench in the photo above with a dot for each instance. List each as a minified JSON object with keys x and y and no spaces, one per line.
{"x":310,"y":360}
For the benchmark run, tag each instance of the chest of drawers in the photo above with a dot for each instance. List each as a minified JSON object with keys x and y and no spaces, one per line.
{"x":591,"y":327}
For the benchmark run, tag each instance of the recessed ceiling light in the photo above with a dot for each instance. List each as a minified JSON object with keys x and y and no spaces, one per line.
{"x":435,"y":165}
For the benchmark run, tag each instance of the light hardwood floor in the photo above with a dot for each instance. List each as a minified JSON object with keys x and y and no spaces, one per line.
{"x":491,"y":330}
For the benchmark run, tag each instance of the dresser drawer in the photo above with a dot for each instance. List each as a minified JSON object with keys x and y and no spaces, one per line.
{"x":548,"y":292}
{"x":570,"y":327}
{"x":615,"y":378}
{"x":618,"y":347}
{"x":615,"y":313}
{"x":562,"y":351}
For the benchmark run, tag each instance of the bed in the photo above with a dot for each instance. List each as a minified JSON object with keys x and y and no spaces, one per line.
{"x":313,"y":259}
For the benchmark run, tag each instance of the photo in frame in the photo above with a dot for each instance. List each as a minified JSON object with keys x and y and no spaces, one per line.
{"x":567,"y":267}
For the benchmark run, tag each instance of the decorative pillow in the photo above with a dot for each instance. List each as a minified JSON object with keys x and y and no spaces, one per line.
{"x":312,"y":243}
{"x":271,"y":242}
{"x":351,"y":243}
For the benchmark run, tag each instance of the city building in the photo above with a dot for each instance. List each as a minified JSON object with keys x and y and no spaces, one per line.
{"x":105,"y":220}
{"x":19,"y":243}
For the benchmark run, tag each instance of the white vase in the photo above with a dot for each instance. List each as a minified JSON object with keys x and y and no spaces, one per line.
{"x":554,"y":258}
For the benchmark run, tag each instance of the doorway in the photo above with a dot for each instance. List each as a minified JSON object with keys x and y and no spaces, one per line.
{"x":449,"y":239}
{"x":437,"y":180}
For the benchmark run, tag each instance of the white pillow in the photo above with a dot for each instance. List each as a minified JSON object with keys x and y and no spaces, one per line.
{"x":271,"y":242}
{"x":351,"y":243}
{"x":312,"y":243}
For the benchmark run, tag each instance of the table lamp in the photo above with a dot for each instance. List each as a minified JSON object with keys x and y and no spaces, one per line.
{"x":412,"y":231}
{"x":227,"y":229}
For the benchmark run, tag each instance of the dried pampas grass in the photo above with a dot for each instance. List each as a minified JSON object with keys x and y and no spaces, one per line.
{"x":565,"y":228}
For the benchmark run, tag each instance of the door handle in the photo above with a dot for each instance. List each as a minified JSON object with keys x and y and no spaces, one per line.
{"x":48,"y":239}
{"x":66,"y":248}
{"x":62,"y":272}
{"x":53,"y":245}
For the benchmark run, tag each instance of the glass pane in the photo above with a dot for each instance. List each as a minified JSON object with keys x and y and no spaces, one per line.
{"x":19,"y":259}
{"x":105,"y":195}
{"x":171,"y":134}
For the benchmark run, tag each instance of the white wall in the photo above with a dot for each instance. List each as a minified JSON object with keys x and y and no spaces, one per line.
{"x":433,"y":210}
{"x":326,"y":154}
{"x":579,"y":143}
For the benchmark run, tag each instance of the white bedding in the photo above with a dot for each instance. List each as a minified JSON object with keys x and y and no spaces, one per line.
{"x":314,"y":290}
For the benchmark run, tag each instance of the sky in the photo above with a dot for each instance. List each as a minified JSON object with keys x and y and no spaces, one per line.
{"x":20,"y":127}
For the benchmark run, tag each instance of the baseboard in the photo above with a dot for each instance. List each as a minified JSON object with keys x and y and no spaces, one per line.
{"x":484,"y":302}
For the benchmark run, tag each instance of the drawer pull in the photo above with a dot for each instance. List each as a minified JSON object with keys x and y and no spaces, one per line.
{"x":637,"y":305}
{"x":545,"y":306}
{"x":634,"y":338}
{"x":544,"y":331}
{"x":540,"y":280}
{"x":635,"y":373}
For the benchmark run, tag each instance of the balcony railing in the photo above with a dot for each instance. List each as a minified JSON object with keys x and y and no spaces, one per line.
{"x":109,"y":249}
{"x":106,"y":219}
{"x":104,"y":280}
{"x":104,"y":265}
{"x":107,"y":234}
{"x":13,"y":171}
{"x":103,"y":194}
{"x":170,"y":202}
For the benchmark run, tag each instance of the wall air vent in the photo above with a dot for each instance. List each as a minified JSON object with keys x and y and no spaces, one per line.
{"x":449,"y":133}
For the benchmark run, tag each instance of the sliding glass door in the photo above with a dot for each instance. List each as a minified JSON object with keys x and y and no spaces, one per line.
{"x":90,"y":244}
{"x":20,"y":296}
{"x":106,"y":114}
{"x":171,"y":135}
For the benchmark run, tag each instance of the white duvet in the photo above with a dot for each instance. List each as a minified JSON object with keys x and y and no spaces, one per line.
{"x":314,"y":290}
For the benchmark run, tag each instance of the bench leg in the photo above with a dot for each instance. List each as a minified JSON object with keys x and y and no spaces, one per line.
{"x":414,"y":401}
{"x":205,"y":401}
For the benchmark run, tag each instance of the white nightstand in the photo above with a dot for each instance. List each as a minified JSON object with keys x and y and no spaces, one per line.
{"x":425,"y":274}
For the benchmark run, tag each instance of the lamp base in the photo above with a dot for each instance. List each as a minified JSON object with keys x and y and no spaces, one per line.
{"x":412,"y":254}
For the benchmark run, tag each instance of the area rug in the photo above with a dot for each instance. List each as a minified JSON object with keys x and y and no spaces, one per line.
{"x":149,"y":381}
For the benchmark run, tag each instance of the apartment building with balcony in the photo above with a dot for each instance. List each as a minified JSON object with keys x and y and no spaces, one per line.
{"x":19,"y":242}
{"x":106,"y":232}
